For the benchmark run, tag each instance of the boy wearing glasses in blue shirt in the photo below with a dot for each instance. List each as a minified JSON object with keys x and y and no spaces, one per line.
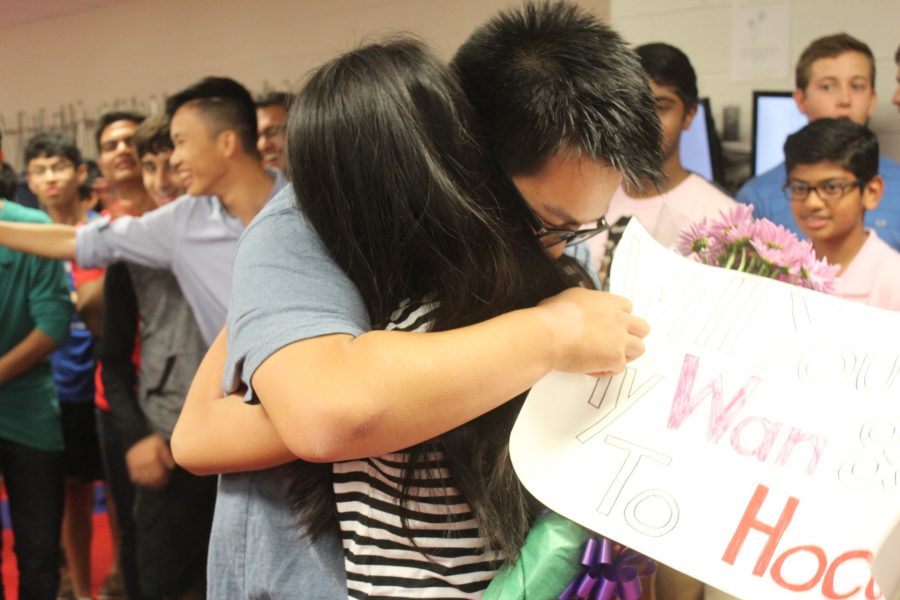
{"x":835,"y":78}
{"x":832,"y":167}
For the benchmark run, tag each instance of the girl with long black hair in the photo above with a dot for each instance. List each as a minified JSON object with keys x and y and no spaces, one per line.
{"x":437,"y":241}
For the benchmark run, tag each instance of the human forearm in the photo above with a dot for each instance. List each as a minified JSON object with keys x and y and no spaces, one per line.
{"x":384,"y":391}
{"x":226,"y":435}
{"x":221,"y":434}
{"x":50,"y":241}
{"x":23,"y":356}
{"x":337,"y":397}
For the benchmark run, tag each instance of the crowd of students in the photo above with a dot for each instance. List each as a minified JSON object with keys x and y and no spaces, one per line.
{"x":336,"y":302}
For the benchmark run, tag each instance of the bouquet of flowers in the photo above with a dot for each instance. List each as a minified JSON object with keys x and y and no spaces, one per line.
{"x":757,"y":246}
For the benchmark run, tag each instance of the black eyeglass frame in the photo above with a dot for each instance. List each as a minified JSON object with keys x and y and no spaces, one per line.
{"x":567,"y":236}
{"x":845,"y":187}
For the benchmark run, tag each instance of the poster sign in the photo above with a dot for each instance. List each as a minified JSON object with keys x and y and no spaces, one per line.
{"x":754,"y":446}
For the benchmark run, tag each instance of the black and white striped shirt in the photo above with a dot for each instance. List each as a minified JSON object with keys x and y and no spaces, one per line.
{"x":439,"y":553}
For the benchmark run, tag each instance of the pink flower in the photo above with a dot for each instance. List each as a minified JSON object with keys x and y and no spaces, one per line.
{"x":774,"y":235}
{"x":799,"y":257}
{"x":775,"y":244}
{"x":734,"y":225}
{"x":760,"y":247}
{"x":695,"y":240}
{"x":821,"y":275}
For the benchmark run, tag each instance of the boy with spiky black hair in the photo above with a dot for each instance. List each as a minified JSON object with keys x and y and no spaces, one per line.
{"x":565,"y":120}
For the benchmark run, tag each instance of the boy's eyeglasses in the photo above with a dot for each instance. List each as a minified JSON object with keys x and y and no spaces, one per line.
{"x":829,"y":191}
{"x":56,"y":169}
{"x":273,"y":131}
{"x":551,"y":236}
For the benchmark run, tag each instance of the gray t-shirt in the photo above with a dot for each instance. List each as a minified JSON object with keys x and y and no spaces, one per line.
{"x":286,"y":288}
{"x":194,"y":237}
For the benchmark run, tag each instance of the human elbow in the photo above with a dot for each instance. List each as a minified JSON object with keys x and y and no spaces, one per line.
{"x":188,"y":453}
{"x":334,"y":435}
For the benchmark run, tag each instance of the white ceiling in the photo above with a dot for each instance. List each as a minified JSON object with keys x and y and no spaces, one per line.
{"x":14,"y":13}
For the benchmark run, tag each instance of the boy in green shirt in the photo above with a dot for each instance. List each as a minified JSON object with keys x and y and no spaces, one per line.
{"x":35,"y":310}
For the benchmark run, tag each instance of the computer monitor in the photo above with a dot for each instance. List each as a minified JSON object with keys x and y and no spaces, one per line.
{"x":775,"y":116}
{"x":700,"y":149}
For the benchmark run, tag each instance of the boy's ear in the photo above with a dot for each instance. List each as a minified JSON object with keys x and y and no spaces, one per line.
{"x":800,"y":100}
{"x":81,"y":173}
{"x":688,"y":118}
{"x":227,"y":141}
{"x":872,"y":192}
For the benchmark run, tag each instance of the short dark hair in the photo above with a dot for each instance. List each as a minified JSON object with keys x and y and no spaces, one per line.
{"x":282,"y":99}
{"x":839,"y":141}
{"x":228,"y":105}
{"x":897,"y":56}
{"x":107,"y":119}
{"x":52,"y":143}
{"x":550,"y":77}
{"x":92,"y":174}
{"x":152,"y":137}
{"x":830,"y":46}
{"x":9,"y":183}
{"x":670,"y":67}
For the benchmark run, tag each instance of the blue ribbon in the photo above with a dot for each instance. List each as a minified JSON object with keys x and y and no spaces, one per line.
{"x":610,"y":573}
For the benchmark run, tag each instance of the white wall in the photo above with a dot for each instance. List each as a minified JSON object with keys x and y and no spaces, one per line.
{"x":134,"y":53}
{"x":702,"y":29}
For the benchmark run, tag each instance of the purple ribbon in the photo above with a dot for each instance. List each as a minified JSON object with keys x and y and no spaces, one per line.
{"x":609,"y":573}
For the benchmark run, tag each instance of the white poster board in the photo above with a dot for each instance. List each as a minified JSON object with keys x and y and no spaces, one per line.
{"x":755,"y":445}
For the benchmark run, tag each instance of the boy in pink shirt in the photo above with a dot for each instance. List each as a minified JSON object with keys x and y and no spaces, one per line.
{"x":833,"y":179}
{"x":685,"y":197}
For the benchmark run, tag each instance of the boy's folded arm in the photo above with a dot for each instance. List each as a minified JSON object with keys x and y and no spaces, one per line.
{"x":218,"y":433}
{"x":340,"y":397}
